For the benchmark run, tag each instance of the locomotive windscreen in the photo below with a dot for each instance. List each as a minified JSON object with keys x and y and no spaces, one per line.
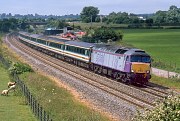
{"x":139,"y":58}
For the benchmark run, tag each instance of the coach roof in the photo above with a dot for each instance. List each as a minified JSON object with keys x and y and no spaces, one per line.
{"x":80,"y":44}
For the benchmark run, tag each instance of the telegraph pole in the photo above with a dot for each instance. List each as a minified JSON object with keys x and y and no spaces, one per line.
{"x":91,"y":21}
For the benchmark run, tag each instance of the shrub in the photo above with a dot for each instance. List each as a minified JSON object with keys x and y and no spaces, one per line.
{"x":19,"y":68}
{"x":167,"y":110}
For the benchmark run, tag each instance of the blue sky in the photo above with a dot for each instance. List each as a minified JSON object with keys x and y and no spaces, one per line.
{"x":62,"y":7}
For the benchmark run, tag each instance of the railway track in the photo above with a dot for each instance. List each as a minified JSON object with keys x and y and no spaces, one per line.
{"x":112,"y":87}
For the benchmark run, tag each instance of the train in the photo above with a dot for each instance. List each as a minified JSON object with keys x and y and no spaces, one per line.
{"x":128,"y":65}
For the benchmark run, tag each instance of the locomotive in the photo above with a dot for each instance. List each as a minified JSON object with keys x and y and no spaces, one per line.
{"x":129,"y":65}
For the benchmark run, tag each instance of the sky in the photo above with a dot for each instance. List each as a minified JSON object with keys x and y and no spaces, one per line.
{"x":65,"y":7}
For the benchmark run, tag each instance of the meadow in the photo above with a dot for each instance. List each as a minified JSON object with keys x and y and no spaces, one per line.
{"x":162,"y":44}
{"x":13,"y":107}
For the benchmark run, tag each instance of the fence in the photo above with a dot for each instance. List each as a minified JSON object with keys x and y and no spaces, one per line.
{"x":37,"y":110}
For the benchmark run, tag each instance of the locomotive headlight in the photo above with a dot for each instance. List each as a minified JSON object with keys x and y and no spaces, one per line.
{"x":148,"y":71}
{"x":132,"y":70}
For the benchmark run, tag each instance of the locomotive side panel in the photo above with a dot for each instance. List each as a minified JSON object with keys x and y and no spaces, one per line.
{"x":110,"y":60}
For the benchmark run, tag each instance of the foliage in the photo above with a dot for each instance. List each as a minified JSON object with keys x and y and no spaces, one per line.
{"x":102,"y":34}
{"x":166,"y":110}
{"x":171,"y":16}
{"x":89,"y":14}
{"x":53,"y":23}
{"x":19,"y":68}
{"x":105,"y":34}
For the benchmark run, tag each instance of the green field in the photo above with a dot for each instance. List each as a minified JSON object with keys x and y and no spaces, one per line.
{"x":162,"y":44}
{"x":12,"y":107}
{"x":58,"y":101}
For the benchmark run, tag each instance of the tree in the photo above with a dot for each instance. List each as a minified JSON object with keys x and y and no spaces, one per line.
{"x":89,"y":14}
{"x":104,"y":34}
{"x":61,"y":24}
{"x":160,"y":17}
{"x":149,"y":22}
{"x":173,"y":15}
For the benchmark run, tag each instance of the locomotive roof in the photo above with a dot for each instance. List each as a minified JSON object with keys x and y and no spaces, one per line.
{"x":80,"y":44}
{"x":111,"y":48}
{"x":136,"y":52}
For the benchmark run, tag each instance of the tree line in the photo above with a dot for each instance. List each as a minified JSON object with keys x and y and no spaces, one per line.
{"x":170,"y":17}
{"x":13,"y":24}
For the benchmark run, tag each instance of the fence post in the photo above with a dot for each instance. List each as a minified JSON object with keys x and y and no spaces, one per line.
{"x":35,"y":107}
{"x":168,"y":74}
{"x":48,"y":117}
{"x":41,"y":114}
{"x":33,"y":104}
{"x":44,"y":115}
{"x":38,"y":110}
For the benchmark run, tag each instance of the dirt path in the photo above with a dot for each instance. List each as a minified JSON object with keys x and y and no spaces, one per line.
{"x":164,"y":73}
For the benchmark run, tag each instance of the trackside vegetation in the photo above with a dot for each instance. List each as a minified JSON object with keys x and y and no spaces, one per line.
{"x":166,"y":110}
{"x":173,"y":83}
{"x":57,"y":101}
{"x":12,"y":107}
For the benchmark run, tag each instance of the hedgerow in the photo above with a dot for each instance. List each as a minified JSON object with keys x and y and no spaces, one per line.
{"x":166,"y":110}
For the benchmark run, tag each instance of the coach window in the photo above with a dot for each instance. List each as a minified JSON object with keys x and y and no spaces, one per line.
{"x":62,"y":47}
{"x":87,"y":52}
{"x":33,"y":39}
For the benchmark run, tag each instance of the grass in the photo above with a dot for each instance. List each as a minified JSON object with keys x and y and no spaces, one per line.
{"x":162,"y":44}
{"x":58,"y":101}
{"x":170,"y":83}
{"x":12,"y":107}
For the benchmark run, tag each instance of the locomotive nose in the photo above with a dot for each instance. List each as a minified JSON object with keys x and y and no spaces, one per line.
{"x":140,"y":67}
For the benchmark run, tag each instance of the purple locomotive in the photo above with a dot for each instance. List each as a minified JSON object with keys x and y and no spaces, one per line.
{"x":126,"y":64}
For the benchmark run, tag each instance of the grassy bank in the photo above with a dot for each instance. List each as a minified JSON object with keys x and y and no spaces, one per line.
{"x":162,"y":44}
{"x":57,"y":101}
{"x":170,"y":83}
{"x":12,"y":107}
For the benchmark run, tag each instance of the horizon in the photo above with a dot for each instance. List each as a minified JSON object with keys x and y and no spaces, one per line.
{"x":61,"y":8}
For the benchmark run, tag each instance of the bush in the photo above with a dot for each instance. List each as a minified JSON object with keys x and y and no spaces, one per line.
{"x":19,"y":68}
{"x":104,"y":34}
{"x":167,"y":110}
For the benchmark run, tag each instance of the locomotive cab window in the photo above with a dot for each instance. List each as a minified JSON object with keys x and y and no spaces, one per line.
{"x":127,"y":58}
{"x":139,"y":58}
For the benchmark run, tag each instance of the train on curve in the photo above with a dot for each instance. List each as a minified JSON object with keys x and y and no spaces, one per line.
{"x":128,"y":65}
